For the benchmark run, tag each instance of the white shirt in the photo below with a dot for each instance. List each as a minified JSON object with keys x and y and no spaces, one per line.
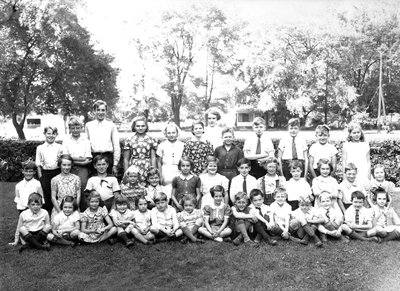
{"x":280,"y":212}
{"x":25,"y":188}
{"x":285,"y":145}
{"x":237,"y":185}
{"x":77,"y":148}
{"x":297,"y":189}
{"x":47,"y":155}
{"x":319,"y":151}
{"x":250,"y":145}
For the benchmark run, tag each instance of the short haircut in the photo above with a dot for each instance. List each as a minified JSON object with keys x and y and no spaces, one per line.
{"x":379,"y":190}
{"x":227,"y":129}
{"x":270,"y":160}
{"x":324,"y":194}
{"x":353,"y":126}
{"x":69,"y":199}
{"x":254,"y":193}
{"x":99,"y":158}
{"x":296,"y":164}
{"x":188,"y":197}
{"x":350,"y":167}
{"x":259,"y":121}
{"x":141,"y":197}
{"x":120,"y":200}
{"x":35,"y":198}
{"x":280,"y":190}
{"x":74,"y":121}
{"x":217,"y":188}
{"x":241,"y":195}
{"x":357,"y":195}
{"x":65,"y":157}
{"x":294,"y":122}
{"x":324,"y":162}
{"x":243,"y":161}
{"x":212,"y":159}
{"x":378,"y":166}
{"x":153,"y":172}
{"x":305,"y":200}
{"x":170,"y":125}
{"x":212,"y":111}
{"x":94,"y":195}
{"x":139,"y":118}
{"x":98,"y":103}
{"x":52,"y":128}
{"x":185,"y":159}
{"x":322,"y":128}
{"x":197,"y":122}
{"x":29,"y":165}
{"x":161,"y":197}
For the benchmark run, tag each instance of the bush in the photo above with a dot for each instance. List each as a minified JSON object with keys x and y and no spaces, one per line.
{"x":13,"y":152}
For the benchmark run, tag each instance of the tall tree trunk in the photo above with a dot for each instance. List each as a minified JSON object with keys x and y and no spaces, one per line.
{"x":19,"y":127}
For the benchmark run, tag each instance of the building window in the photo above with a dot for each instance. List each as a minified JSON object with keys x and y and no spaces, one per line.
{"x":244,"y":117}
{"x":33,"y":122}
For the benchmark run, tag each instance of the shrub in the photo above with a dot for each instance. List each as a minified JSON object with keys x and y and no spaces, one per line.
{"x":13,"y":152}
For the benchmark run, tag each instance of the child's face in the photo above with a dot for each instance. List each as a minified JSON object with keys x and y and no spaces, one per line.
{"x":325,"y":170}
{"x":258,"y":201}
{"x":94,"y":203}
{"x":227,"y":138}
{"x":326,"y":202}
{"x":154,"y":180}
{"x":68,"y":208}
{"x":161,"y":205}
{"x":50,"y":136}
{"x":305,"y":207}
{"x":280,"y":198}
{"x":121,"y":208}
{"x":198,"y":130}
{"x":172,"y":134}
{"x":322,"y":137}
{"x":244,"y":169}
{"x":140,"y":127}
{"x":28,"y":174}
{"x":218,"y":197}
{"x":296,"y":173}
{"x":293,"y":130}
{"x":212,"y":168}
{"x":35,"y":207}
{"x":355,"y":134}
{"x":75,"y":130}
{"x":100,"y":112}
{"x":185,"y":167}
{"x":351,"y":175}
{"x":379,"y":174}
{"x":271,"y":168}
{"x":142,"y":205}
{"x":381,"y":199}
{"x":188,"y":206}
{"x":132,"y":178}
{"x":357,"y":203}
{"x":258,"y":129}
{"x":65,"y":166}
{"x":101,"y":166}
{"x":241,"y":203}
{"x":212,"y":120}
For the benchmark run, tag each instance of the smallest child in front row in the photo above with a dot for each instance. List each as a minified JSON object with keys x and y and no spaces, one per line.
{"x":216,"y":216}
{"x":142,"y":219}
{"x":96,"y":224}
{"x":164,"y":220}
{"x":122,"y":216}
{"x":358,"y":219}
{"x":190,"y":220}
{"x":33,"y":225}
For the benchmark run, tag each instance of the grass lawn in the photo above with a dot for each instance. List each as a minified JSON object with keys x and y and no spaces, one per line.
{"x":212,"y":266}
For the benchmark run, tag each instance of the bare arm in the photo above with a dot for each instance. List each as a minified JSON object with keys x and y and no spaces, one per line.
{"x":16,"y":236}
{"x":311,"y":167}
{"x":280,"y":152}
{"x":126,"y":156}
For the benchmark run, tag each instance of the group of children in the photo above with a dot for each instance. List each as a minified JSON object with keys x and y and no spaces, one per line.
{"x":232,"y":195}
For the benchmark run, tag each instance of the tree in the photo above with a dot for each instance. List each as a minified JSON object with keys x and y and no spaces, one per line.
{"x":49,"y":64}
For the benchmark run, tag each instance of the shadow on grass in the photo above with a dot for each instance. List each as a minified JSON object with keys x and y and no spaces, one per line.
{"x":212,"y":266}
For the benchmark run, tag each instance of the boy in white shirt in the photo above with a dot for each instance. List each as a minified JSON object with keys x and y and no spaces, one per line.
{"x":297,"y":187}
{"x":242,"y":182}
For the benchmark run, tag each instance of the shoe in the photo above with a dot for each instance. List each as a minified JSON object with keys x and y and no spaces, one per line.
{"x":238,"y":240}
{"x":218,"y":239}
{"x":251,"y":244}
{"x":184,"y":240}
{"x":200,"y":241}
{"x":272,"y":242}
{"x":112,"y":241}
{"x":151,"y":242}
{"x":163,"y":239}
{"x":74,"y":244}
{"x":46,"y":246}
{"x":23,"y":247}
{"x":129,"y":243}
{"x":318,"y":244}
{"x":344,"y":238}
{"x":294,"y":239}
{"x":324,"y":239}
{"x":228,"y":239}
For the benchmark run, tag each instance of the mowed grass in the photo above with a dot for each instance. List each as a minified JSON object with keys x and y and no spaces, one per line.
{"x":212,"y":266}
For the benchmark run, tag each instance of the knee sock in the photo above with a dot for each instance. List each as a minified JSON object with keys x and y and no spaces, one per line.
{"x":358,"y":236}
{"x":391,"y":236}
{"x":260,"y":229}
{"x":31,"y":240}
{"x":42,"y":235}
{"x":309,"y":230}
{"x":123,"y":236}
{"x":62,"y":241}
{"x":305,"y":239}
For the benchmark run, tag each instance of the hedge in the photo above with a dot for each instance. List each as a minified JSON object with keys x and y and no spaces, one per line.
{"x":14,"y":152}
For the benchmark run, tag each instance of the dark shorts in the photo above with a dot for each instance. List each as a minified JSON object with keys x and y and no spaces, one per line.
{"x":37,"y":236}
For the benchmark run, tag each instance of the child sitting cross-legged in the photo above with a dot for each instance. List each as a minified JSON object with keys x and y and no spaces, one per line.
{"x":306,"y":220}
{"x":190,"y":219}
{"x":142,"y":218}
{"x":122,"y":216}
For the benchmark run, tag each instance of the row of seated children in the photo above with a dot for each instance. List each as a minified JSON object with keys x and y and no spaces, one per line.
{"x":241,"y":222}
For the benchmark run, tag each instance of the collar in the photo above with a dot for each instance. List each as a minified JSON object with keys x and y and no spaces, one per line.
{"x":186,"y":178}
{"x":49,"y":144}
{"x":349,"y":185}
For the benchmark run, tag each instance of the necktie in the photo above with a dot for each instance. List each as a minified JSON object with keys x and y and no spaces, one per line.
{"x":328,"y":214}
{"x":258,"y":150}
{"x":259,"y":210}
{"x":294,"y":150}
{"x":244,"y":185}
{"x":357,"y":216}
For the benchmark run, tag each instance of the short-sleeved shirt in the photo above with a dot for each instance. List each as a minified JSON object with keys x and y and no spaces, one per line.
{"x":346,"y":189}
{"x":133,"y":192}
{"x":140,"y":148}
{"x":142,"y":219}
{"x":227,"y":160}
{"x":185,"y":185}
{"x":364,"y":215}
{"x":118,"y":216}
{"x":62,"y":221}
{"x":77,"y":148}
{"x":166,"y":219}
{"x":216,"y":214}
{"x":285,"y":145}
{"x":331,"y":215}
{"x":246,"y":210}
{"x":34,"y":222}
{"x":391,"y":218}
{"x":190,"y":219}
{"x":297,"y":189}
{"x":267,"y":184}
{"x":105,"y":186}
{"x":47,"y":155}
{"x":250,"y":145}
{"x":312,"y":213}
{"x":280,"y":212}
{"x":319,"y":151}
{"x":387,"y":185}
{"x":24,"y":189}
{"x":94,"y":220}
{"x":170,"y":152}
{"x":329,"y":184}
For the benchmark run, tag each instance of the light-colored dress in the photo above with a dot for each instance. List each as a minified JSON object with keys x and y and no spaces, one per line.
{"x":94,"y":221}
{"x":356,"y":154}
{"x":170,"y":153}
{"x":207,"y":182}
{"x":65,"y":185}
{"x":213,"y":135}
